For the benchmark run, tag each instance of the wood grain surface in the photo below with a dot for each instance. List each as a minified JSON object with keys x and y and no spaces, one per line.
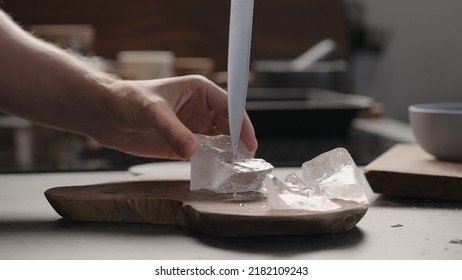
{"x":172,"y":203}
{"x":199,"y":28}
{"x":407,"y":170}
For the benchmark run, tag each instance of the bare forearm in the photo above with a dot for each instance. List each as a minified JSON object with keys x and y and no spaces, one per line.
{"x":43,"y":83}
{"x":152,"y":118}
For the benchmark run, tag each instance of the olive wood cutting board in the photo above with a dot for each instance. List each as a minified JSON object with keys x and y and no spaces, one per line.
{"x":172,"y":203}
{"x":407,"y":170}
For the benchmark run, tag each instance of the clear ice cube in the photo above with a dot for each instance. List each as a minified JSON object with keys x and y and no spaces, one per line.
{"x":215,"y":167}
{"x":294,"y":194}
{"x":336,"y":175}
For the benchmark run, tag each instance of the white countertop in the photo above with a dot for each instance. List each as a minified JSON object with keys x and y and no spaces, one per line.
{"x":393,"y":228}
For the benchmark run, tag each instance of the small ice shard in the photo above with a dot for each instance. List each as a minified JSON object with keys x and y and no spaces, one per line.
{"x":336,"y":175}
{"x":294,"y":194}
{"x":215,"y":167}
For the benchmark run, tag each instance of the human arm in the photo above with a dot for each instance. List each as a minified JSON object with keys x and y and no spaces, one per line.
{"x":155,"y":118}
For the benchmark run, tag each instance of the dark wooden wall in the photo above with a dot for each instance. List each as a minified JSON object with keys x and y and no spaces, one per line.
{"x":282,"y":28}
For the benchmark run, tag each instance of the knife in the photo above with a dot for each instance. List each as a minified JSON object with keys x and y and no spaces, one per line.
{"x":240,"y":33}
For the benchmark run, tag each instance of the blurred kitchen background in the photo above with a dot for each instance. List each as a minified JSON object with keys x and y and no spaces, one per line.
{"x":325,"y":73}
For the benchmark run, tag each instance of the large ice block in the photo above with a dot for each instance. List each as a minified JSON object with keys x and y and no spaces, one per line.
{"x":293,"y":194}
{"x":215,"y":167}
{"x":336,"y":175}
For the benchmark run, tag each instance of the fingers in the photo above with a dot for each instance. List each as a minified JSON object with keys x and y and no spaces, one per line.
{"x":218,"y":102}
{"x":175,"y":133}
{"x":210,"y":118}
{"x":222,"y":122}
{"x":248,"y":134}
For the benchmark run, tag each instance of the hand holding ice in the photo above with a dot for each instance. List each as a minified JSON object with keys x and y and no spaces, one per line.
{"x":215,"y":167}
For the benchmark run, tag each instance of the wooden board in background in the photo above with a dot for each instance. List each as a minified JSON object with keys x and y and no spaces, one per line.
{"x":407,"y":170}
{"x":172,"y":203}
{"x":199,"y":28}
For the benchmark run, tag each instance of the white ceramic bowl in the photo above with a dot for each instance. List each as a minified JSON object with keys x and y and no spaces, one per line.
{"x":437,"y":128}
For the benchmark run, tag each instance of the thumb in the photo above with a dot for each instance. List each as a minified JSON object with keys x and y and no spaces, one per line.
{"x":180,"y":139}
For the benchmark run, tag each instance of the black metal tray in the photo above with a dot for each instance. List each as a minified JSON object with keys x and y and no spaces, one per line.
{"x":301,"y":112}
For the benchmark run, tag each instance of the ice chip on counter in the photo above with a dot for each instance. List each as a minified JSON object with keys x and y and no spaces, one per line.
{"x":215,"y":167}
{"x":293,"y":194}
{"x":336,"y":175}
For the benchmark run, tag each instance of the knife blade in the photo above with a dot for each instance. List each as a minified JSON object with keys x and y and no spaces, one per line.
{"x":240,"y":34}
